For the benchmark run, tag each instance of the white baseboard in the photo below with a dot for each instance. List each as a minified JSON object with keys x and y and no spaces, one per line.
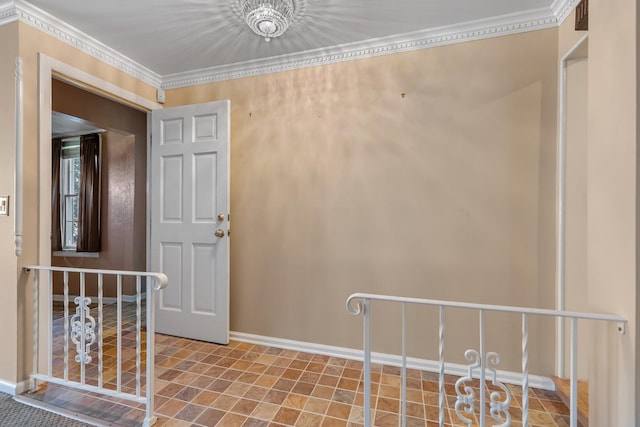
{"x":507,"y":377}
{"x":106,"y":300}
{"x":8,"y":388}
{"x":14,"y":389}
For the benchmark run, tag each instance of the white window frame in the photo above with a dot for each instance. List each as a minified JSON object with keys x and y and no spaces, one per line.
{"x":70,"y":143}
{"x":66,"y":190}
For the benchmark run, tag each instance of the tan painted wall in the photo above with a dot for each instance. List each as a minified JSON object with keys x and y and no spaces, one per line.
{"x":28,"y":42}
{"x":8,"y":260}
{"x":426,"y":174}
{"x":124,"y":188}
{"x":612,"y":177}
{"x":567,"y":35}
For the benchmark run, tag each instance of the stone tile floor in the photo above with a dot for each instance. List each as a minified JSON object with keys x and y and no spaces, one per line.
{"x":242,"y":384}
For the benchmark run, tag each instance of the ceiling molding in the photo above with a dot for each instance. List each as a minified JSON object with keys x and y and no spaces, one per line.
{"x":563,"y":8}
{"x":8,"y":13}
{"x":59,"y":29}
{"x":475,"y":30}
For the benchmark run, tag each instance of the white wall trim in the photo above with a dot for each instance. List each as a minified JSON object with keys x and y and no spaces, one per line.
{"x":14,"y":389}
{"x":47,"y":67}
{"x":507,"y":377}
{"x":474,"y":30}
{"x":8,"y":13}
{"x":8,"y":388}
{"x":18,"y":174}
{"x":563,"y":8}
{"x":59,"y":29}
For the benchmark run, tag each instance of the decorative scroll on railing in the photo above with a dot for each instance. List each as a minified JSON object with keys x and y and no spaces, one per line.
{"x":92,"y":368}
{"x":471,"y":400}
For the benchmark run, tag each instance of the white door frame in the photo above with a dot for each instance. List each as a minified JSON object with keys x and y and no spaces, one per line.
{"x":560,"y":203}
{"x":47,"y":69}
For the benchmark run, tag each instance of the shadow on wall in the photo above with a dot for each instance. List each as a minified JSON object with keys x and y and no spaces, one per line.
{"x":426,"y":174}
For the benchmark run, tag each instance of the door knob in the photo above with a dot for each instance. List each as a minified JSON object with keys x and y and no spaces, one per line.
{"x":220,"y":218}
{"x":219,"y":233}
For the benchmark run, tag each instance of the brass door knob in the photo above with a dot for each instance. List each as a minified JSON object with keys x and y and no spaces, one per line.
{"x":219,"y":233}
{"x":220,"y":218}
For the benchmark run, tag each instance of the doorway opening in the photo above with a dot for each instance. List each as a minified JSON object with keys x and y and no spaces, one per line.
{"x":121,"y":186}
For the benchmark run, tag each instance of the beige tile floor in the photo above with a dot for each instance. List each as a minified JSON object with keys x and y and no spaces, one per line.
{"x":242,"y":384}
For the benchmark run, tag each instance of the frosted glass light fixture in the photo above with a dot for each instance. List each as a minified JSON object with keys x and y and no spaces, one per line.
{"x":267,"y":18}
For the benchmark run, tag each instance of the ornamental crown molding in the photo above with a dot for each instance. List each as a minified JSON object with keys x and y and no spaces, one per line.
{"x":474,"y":30}
{"x":49,"y":24}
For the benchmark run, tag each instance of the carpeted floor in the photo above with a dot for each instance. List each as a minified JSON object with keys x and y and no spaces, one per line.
{"x":18,"y":414}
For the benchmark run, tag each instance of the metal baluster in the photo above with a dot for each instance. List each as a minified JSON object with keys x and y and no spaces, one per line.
{"x":138,"y":341}
{"x":100,"y":328}
{"x":525,"y":370}
{"x":573,"y":421}
{"x":36,"y":335}
{"x":367,"y":363}
{"x":119,"y":333}
{"x":49,"y":322}
{"x":83,"y":316}
{"x":150,"y":418}
{"x":483,"y":367}
{"x":66,"y":325}
{"x":441,"y":370}
{"x":404,"y":365}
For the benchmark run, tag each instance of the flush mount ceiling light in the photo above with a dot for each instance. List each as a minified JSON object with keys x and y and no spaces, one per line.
{"x":267,"y":18}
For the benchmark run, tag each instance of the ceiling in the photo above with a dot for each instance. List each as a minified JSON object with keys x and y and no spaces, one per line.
{"x":170,"y":37}
{"x":66,"y":125}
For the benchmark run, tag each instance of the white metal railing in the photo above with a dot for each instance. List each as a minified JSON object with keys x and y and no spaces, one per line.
{"x":481,"y":362}
{"x":86,"y":373}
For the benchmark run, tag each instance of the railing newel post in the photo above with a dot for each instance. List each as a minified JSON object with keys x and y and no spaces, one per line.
{"x":150,"y":383}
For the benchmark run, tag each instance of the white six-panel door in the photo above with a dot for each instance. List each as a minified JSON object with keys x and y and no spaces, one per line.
{"x":190,"y":219}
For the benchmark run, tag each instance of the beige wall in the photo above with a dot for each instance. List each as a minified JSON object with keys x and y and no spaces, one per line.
{"x":124,"y":188}
{"x":8,"y":263}
{"x":427,"y":174}
{"x":568,"y":37}
{"x":612,"y":206}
